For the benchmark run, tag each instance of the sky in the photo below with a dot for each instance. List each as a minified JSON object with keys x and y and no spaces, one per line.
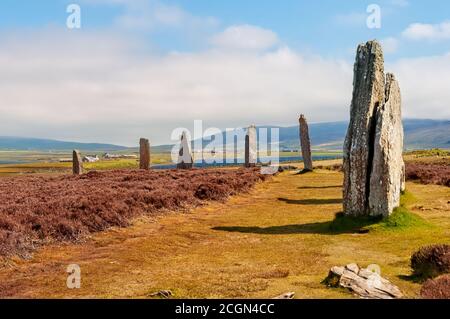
{"x":142,"y":68}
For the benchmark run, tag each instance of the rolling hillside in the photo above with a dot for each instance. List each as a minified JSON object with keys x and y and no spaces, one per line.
{"x":419,"y":134}
{"x":36,"y":144}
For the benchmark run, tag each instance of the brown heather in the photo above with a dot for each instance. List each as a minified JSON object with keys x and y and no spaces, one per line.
{"x":35,"y":210}
{"x":429,"y":173}
{"x":431,"y":261}
{"x":438,"y":288}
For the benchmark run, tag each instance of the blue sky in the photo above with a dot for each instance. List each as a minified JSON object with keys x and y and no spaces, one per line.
{"x":327,"y":27}
{"x":154,"y":65}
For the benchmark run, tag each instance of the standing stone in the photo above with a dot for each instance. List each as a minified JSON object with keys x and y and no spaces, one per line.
{"x":305,"y":144}
{"x":144,"y":154}
{"x":368,"y":95}
{"x":77,"y":163}
{"x":373,"y":164}
{"x":185,"y":160}
{"x":251,"y":152}
{"x":387,"y":178}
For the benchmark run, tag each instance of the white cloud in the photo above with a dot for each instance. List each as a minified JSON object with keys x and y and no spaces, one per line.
{"x":95,"y":87}
{"x":424,"y":85}
{"x":433,"y":32}
{"x":106,"y":87}
{"x":390,"y":45}
{"x":245,"y":37}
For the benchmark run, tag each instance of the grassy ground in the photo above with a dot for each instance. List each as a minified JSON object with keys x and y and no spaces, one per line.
{"x":52,"y":167}
{"x":31,"y":162}
{"x":274,"y":240}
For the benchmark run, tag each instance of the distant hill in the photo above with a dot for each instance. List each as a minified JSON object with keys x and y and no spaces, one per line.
{"x":36,"y":144}
{"x":419,"y":134}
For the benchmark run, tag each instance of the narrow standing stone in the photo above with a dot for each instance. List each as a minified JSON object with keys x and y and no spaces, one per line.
{"x":251,"y":152}
{"x":305,"y":144}
{"x":77,"y":163}
{"x":185,"y":160}
{"x":144,"y":154}
{"x":368,"y":96}
{"x":387,"y":178}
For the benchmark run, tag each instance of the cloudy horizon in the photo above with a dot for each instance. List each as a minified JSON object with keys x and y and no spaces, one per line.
{"x":143,"y":67}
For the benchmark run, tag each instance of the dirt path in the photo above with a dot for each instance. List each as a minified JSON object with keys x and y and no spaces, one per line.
{"x":255,"y":245}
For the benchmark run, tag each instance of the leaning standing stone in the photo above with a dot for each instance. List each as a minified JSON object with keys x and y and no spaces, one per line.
{"x":305,"y":144}
{"x":251,"y":152}
{"x":77,"y":163}
{"x":144,"y":154}
{"x":368,"y":96}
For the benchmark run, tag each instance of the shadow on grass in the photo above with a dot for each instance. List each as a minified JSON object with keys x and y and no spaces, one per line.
{"x":412,"y":278}
{"x":312,"y":201}
{"x":304,"y":171}
{"x":340,"y":225}
{"x":320,"y":187}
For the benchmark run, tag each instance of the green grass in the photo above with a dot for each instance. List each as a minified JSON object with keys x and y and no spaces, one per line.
{"x":401,"y":219}
{"x":51,"y":165}
{"x":112,"y":164}
{"x":428,"y":153}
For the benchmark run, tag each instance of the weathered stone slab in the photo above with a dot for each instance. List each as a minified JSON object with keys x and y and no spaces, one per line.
{"x":287,"y":295}
{"x":364,"y":283}
{"x":305,"y":144}
{"x":251,"y":151}
{"x":368,"y":95}
{"x":386,"y":181}
{"x":144,"y":154}
{"x":77,"y":163}
{"x":185,"y":160}
{"x":374,"y":172}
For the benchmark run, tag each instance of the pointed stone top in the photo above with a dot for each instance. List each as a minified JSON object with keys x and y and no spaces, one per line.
{"x":373,"y":47}
{"x":302,"y":117}
{"x":390,"y":77}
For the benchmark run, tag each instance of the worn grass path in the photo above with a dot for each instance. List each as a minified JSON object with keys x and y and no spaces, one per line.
{"x":255,"y":245}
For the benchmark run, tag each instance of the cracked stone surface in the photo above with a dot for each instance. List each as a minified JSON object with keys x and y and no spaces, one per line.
{"x":373,"y":164}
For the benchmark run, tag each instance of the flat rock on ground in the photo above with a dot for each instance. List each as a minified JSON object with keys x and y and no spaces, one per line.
{"x":363,"y":282}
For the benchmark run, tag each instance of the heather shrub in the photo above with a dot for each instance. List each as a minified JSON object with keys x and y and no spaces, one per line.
{"x":35,"y":210}
{"x":431,"y":261}
{"x":429,"y":173}
{"x":438,"y":288}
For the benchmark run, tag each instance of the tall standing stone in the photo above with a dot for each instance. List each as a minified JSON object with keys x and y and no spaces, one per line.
{"x":305,"y":144}
{"x":368,"y":95}
{"x":77,"y":163}
{"x":144,"y":154}
{"x":387,"y":178}
{"x":251,"y":151}
{"x":185,"y":160}
{"x":373,"y":170}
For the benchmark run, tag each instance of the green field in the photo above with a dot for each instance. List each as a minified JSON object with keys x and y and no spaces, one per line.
{"x":32,"y":162}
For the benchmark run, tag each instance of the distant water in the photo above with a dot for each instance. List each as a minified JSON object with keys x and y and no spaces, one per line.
{"x":9,"y":162}
{"x":203,"y":164}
